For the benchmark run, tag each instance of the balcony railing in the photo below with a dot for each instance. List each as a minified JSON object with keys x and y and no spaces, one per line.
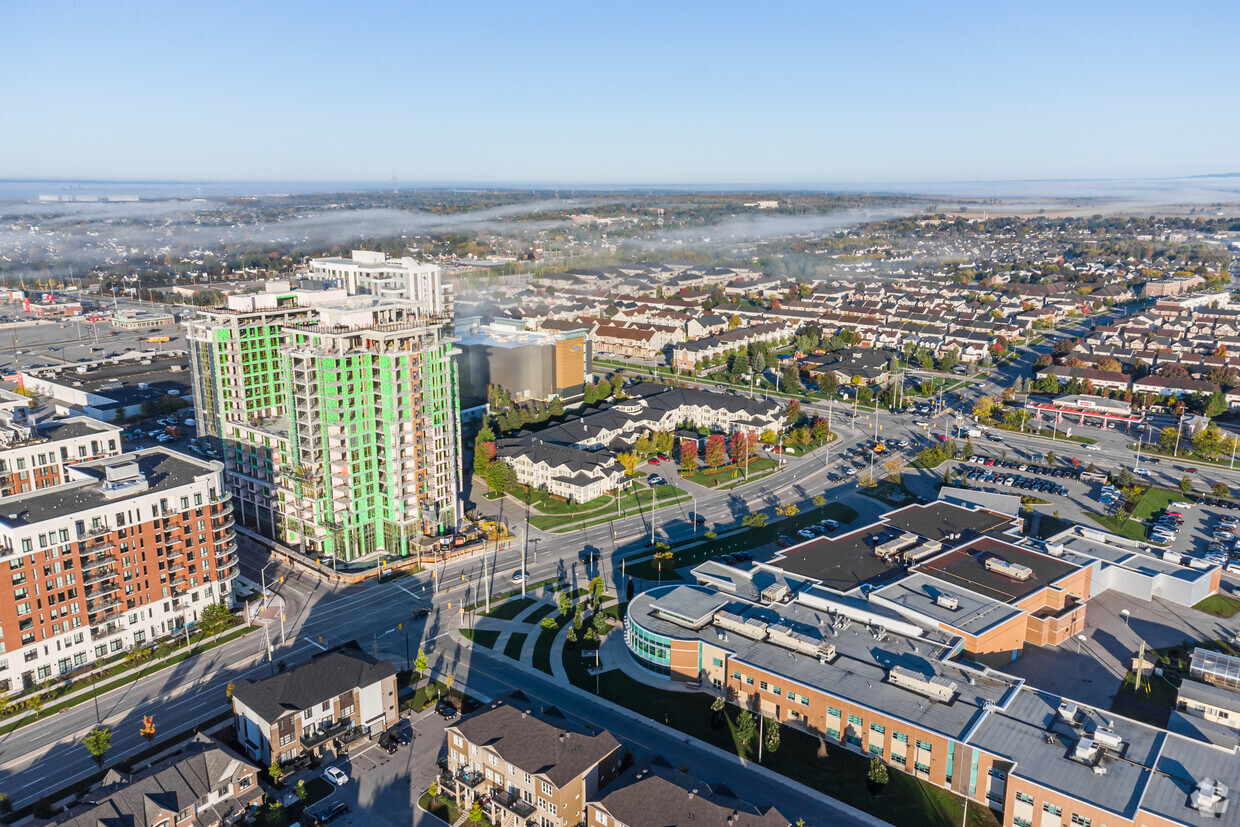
{"x":97,"y":562}
{"x":97,"y":575}
{"x":322,"y":734}
{"x":513,"y":803}
{"x":95,"y":531}
{"x":96,"y":591}
{"x":470,"y":778}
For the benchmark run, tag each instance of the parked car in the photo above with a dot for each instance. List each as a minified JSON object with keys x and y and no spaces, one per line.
{"x":388,"y":743}
{"x":333,"y":812}
{"x":446,"y":711}
{"x":336,"y":776}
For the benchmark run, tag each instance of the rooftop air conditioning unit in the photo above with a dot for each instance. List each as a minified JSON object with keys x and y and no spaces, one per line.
{"x":948,"y":601}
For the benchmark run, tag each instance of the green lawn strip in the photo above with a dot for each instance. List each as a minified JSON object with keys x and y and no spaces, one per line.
{"x":746,"y":480}
{"x":441,"y":807}
{"x":538,"y":614}
{"x":1154,"y":501}
{"x":741,"y":540}
{"x":542,"y":647}
{"x":664,"y":501}
{"x":482,"y":637}
{"x":1129,"y":528}
{"x":133,"y":674}
{"x":728,"y":473}
{"x":510,"y":608}
{"x":504,"y":596}
{"x":548,"y":504}
{"x":630,"y":501}
{"x":1219,"y":605}
{"x":833,"y":770}
{"x":516,"y":642}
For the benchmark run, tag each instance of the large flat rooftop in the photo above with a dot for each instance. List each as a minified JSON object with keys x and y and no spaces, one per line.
{"x":859,"y":670}
{"x":944,"y":522}
{"x":162,"y":469}
{"x":841,"y":563}
{"x":975,"y":613}
{"x":966,"y":567}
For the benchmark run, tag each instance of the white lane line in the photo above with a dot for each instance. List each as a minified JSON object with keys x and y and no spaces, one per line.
{"x":316,"y":643}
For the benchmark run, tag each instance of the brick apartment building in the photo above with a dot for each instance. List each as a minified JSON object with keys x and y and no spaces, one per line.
{"x":122,"y":551}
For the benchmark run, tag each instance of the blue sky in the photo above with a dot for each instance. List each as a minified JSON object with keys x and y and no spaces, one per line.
{"x":619,"y":93}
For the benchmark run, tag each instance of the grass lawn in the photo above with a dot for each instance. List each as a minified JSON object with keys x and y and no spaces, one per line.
{"x":1153,"y":501}
{"x":730,"y":473}
{"x":440,"y":806}
{"x":516,"y":642}
{"x":830,"y":768}
{"x":511,"y":608}
{"x":538,"y":614}
{"x":630,"y":501}
{"x":1152,"y":703}
{"x":542,"y":647}
{"x":1219,"y":605}
{"x":429,"y":693}
{"x":742,"y":540}
{"x":547,"y":504}
{"x":482,"y":637}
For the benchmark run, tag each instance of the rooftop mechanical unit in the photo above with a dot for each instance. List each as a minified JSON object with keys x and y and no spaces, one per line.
{"x":890,"y":548}
{"x":1210,"y":798}
{"x":751,"y":628}
{"x":784,"y":636}
{"x":947,"y":601}
{"x":1013,"y":570}
{"x":935,"y":687}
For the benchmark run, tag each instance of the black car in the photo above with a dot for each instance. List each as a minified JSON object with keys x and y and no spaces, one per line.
{"x":421,"y":612}
{"x":588,"y":555}
{"x":699,"y":520}
{"x":333,"y":812}
{"x":405,"y":735}
{"x":388,"y":743}
{"x":446,"y":711}
{"x":834,"y":477}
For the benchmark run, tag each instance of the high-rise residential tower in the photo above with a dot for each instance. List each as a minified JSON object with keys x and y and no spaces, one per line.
{"x":337,"y":415}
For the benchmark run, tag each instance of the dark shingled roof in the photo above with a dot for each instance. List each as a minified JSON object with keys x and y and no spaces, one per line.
{"x":204,"y":765}
{"x":538,"y":741}
{"x":327,"y":675}
{"x":655,"y":794}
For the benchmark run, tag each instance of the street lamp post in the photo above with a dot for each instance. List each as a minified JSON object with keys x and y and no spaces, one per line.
{"x":1080,"y":639}
{"x":1124,"y":613}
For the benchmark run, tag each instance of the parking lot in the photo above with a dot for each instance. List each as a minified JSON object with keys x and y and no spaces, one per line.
{"x":26,"y":344}
{"x":1015,"y":477}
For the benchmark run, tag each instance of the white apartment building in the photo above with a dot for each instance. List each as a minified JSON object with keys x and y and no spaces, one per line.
{"x":372,"y":273}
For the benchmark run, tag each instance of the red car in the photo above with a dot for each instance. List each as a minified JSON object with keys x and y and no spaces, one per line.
{"x":1190,"y":470}
{"x":654,"y":461}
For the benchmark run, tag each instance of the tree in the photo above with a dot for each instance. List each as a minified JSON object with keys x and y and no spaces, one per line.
{"x":644,"y":445}
{"x":499,"y":477}
{"x":1186,"y":484}
{"x":1050,"y":459}
{"x":746,"y":728}
{"x":688,"y":455}
{"x":819,"y":501}
{"x":228,"y":690}
{"x":793,"y":413}
{"x":98,"y":741}
{"x":1125,"y":479}
{"x":734,"y":322}
{"x":792,"y":379}
{"x":549,"y":622}
{"x":769,"y":437}
{"x":596,"y":588}
{"x":1167,"y":438}
{"x":1220,"y":489}
{"x":820,"y":430}
{"x":949,"y":360}
{"x":829,"y":384}
{"x":984,"y":408}
{"x":663,"y":441}
{"x":275,"y":771}
{"x":604,"y":389}
{"x":571,"y":634}
{"x":300,"y":790}
{"x":754,"y":520}
{"x":214,"y":619}
{"x":716,"y":453}
{"x":564,"y":603}
{"x":967,"y":450}
{"x":878,"y":771}
{"x":630,"y":460}
{"x":557,"y":407}
{"x":420,"y":663}
{"x":598,"y":622}
{"x":475,"y":813}
{"x":591,"y":393}
{"x":772,"y":736}
{"x":1216,"y":404}
{"x":717,"y":704}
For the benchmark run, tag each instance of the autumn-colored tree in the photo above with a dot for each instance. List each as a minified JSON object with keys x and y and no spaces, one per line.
{"x":629,"y":459}
{"x":794,"y":412}
{"x":688,"y":455}
{"x":716,"y":453}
